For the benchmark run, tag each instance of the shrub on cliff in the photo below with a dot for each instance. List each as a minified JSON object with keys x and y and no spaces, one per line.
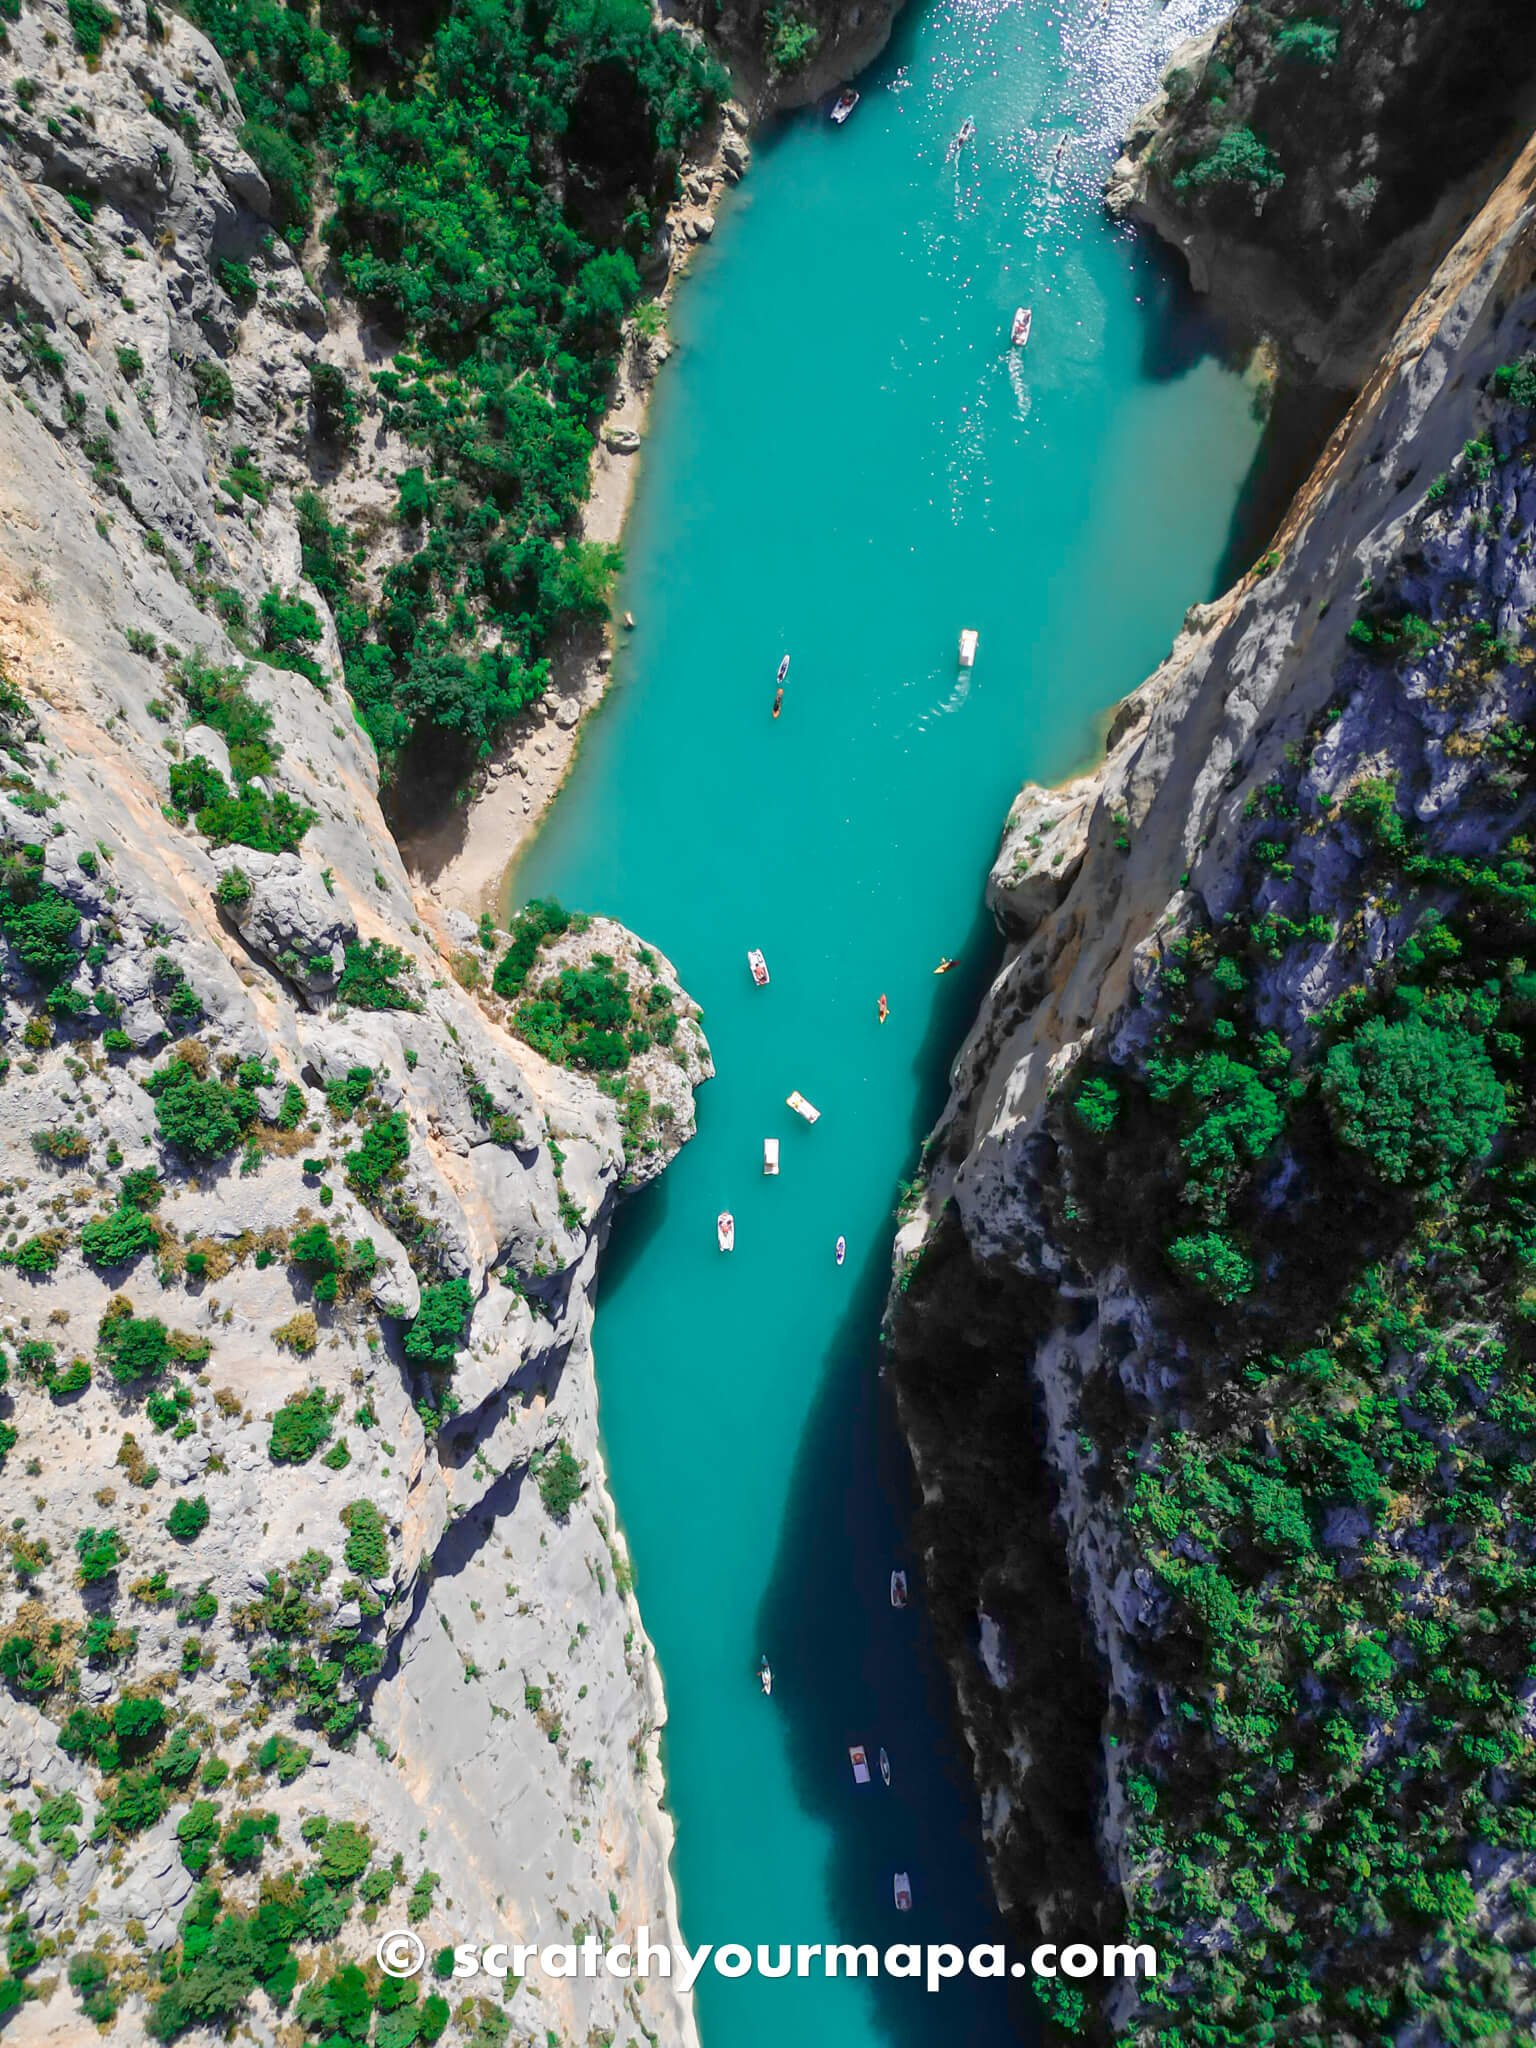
{"x":201,"y":1117}
{"x":301,"y":1426}
{"x":1239,"y":159}
{"x":437,"y":1335}
{"x":1416,"y":1099}
{"x":1210,"y":1261}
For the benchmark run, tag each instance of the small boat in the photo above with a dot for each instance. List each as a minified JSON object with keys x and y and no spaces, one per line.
{"x":1023,"y":320}
{"x":883,"y":1009}
{"x":901,"y":1885}
{"x":765,"y":1680}
{"x":778,"y":702}
{"x":968,"y":641}
{"x":860,"y":1763}
{"x":758,"y":965}
{"x":783,"y":669}
{"x":629,"y":622}
{"x":770,"y":1155}
{"x":898,"y":1589}
{"x":842,"y":1249}
{"x":885,"y":1767}
{"x":725,"y":1230}
{"x":801,"y":1107}
{"x":966,"y":131}
{"x":945,"y":964}
{"x":844,"y":105}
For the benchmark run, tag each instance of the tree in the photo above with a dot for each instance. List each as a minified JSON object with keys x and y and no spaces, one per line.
{"x":1417,"y":1099}
{"x":188,"y":1518}
{"x":1213,"y":1263}
{"x":437,"y":1335}
{"x":100,"y":1552}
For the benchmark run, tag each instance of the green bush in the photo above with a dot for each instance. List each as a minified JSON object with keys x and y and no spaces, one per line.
{"x":1517,"y":381}
{"x":366,"y":1550}
{"x":114,"y":1240}
{"x":560,"y":1481}
{"x":438,"y":1333}
{"x":1316,"y":41}
{"x":1211,"y":1261}
{"x":385,"y":1147}
{"x":1097,"y":1104}
{"x":372,"y":978}
{"x":214,"y":387}
{"x":579,"y":1018}
{"x":537,"y":921}
{"x":242,"y":817}
{"x":791,"y":39}
{"x":201,"y":1117}
{"x":1417,"y":1100}
{"x":91,"y":23}
{"x":1239,"y":158}
{"x":301,"y":1426}
{"x":188,"y":1519}
{"x":100,"y":1552}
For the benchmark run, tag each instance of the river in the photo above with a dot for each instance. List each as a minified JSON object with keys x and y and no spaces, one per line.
{"x":846,"y":463}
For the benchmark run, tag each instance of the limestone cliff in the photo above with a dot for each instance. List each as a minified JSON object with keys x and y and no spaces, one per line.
{"x":1210,"y":1324}
{"x":1313,"y":164}
{"x":315,"y":1618}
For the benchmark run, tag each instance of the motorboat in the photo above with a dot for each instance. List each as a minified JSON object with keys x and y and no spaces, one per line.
{"x":801,"y":1107}
{"x":885,"y":1767}
{"x":783,"y":669}
{"x":882,"y":1009}
{"x":778,"y":702}
{"x":842,"y":1249}
{"x":945,"y":964}
{"x":898,"y":1589}
{"x":963,"y":135}
{"x":844,"y":105}
{"x":968,"y":640}
{"x":765,"y":1680}
{"x":1023,"y":320}
{"x":770,"y":1155}
{"x":725,"y":1230}
{"x":901,"y":1885}
{"x":860,"y":1763}
{"x":759,"y":966}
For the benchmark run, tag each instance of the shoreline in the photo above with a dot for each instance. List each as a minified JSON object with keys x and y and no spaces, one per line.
{"x":461,"y":863}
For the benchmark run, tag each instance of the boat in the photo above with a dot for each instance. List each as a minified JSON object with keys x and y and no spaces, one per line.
{"x":860,"y":1763}
{"x":966,"y":131}
{"x":945,"y":964}
{"x":725,"y":1230}
{"x":844,"y":105}
{"x":778,"y":702}
{"x":783,"y":669}
{"x":801,"y":1107}
{"x":770,"y":1155}
{"x":901,"y":1885}
{"x":898,"y":1589}
{"x":765,"y":1680}
{"x":629,"y":622}
{"x":968,"y":641}
{"x":842,"y":1249}
{"x":885,"y":1767}
{"x":882,"y":1009}
{"x":1023,"y":320}
{"x":759,"y":966}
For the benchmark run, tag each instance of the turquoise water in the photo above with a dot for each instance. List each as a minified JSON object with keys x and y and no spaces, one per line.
{"x":845,"y":463}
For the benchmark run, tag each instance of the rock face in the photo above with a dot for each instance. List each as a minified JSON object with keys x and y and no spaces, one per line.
{"x":846,"y":38}
{"x":1214,"y":1228}
{"x":1313,"y":167}
{"x":304,"y":1509}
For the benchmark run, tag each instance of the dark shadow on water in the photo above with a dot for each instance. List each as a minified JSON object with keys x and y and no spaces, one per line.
{"x":849,"y":1668}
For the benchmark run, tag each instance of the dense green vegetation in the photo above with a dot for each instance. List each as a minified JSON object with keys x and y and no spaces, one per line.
{"x":1334,"y":1487}
{"x":497,"y":170}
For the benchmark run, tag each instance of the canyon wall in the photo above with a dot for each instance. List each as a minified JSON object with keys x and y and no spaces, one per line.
{"x":1209,"y":1326}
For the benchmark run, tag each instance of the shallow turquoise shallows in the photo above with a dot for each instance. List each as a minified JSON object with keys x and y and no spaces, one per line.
{"x":846,"y":464}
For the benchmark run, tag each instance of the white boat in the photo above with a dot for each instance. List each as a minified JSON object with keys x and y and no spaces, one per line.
{"x":783,"y":668}
{"x":901,"y":1885}
{"x":860,"y":1763}
{"x":842,"y":1249}
{"x":968,"y":641}
{"x":1023,"y":320}
{"x":844,"y":105}
{"x":898,"y":1589}
{"x":885,"y":1767}
{"x":765,"y":1680}
{"x":967,"y":130}
{"x":770,"y":1155}
{"x":758,"y":966}
{"x":801,"y":1107}
{"x":725,"y":1230}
